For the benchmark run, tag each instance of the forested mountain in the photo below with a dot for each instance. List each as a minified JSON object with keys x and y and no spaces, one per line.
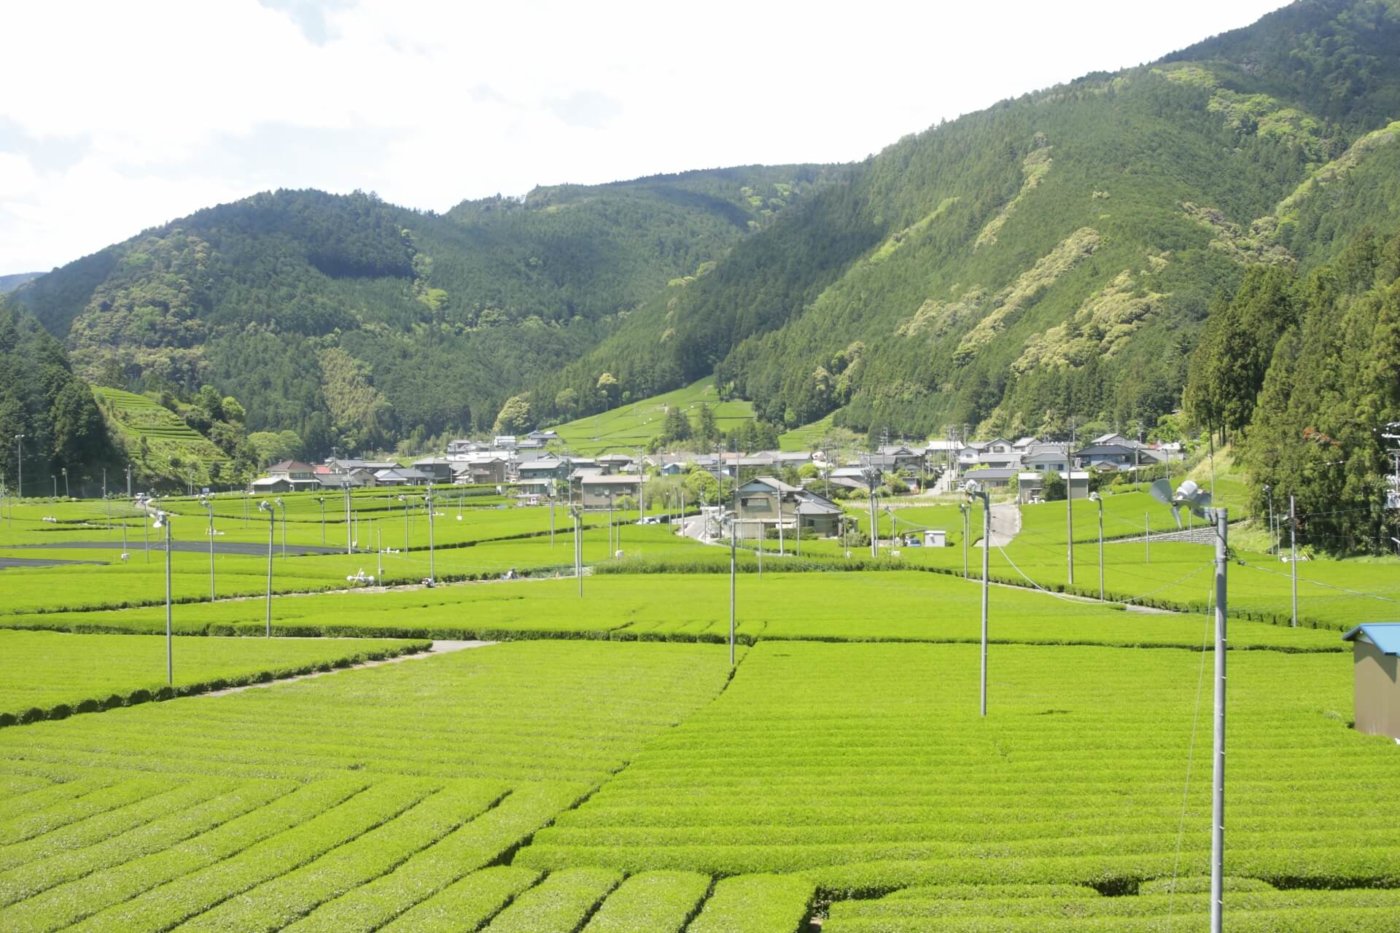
{"x":355,"y":323}
{"x":41,"y":399}
{"x":1304,"y":368}
{"x":1053,"y":256}
{"x":9,"y":283}
{"x":1197,"y":229}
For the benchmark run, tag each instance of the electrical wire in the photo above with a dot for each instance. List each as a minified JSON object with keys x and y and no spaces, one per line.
{"x":1329,"y":586}
{"x":1178,"y":580}
{"x":1190,"y":759}
{"x":1024,"y":576}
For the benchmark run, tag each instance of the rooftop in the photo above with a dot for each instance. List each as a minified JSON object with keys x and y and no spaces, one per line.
{"x":1384,"y":635}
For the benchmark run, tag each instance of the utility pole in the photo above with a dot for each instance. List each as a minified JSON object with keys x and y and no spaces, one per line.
{"x":576,"y":513}
{"x":733,"y":555}
{"x":1069,"y":504}
{"x":163,"y":520}
{"x":1293,"y":559}
{"x":209,"y":507}
{"x":1273,"y":541}
{"x":1098,"y":501}
{"x":265,"y":506}
{"x":974,"y":490}
{"x":432,"y":567}
{"x":872,"y":479}
{"x":1217,"y":838}
{"x":964,"y":508}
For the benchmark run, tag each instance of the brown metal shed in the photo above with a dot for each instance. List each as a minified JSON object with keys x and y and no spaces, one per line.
{"x":1376,"y":652}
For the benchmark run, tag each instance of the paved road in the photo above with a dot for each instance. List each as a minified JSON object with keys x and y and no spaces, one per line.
{"x":1006,"y":524}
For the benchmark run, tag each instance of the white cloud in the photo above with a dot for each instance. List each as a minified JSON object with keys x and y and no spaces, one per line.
{"x":120,"y":116}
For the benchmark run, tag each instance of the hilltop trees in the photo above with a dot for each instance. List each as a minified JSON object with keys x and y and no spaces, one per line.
{"x":1330,"y":388}
{"x":447,"y":316}
{"x":514,"y":416}
{"x":43,"y":400}
{"x":1232,"y":357}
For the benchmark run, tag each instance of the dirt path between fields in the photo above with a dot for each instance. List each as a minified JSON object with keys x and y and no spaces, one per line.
{"x":1006,"y":524}
{"x":442,"y":646}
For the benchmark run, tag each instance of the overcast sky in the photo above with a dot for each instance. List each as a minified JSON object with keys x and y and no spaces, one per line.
{"x":117,"y":115}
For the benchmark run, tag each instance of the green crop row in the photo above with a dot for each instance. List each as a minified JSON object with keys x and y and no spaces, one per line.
{"x":755,"y":904}
{"x":580,"y":725}
{"x":1099,"y":753}
{"x":44,"y":675}
{"x":87,"y":802}
{"x":285,"y":897}
{"x":464,"y":905}
{"x":561,"y":902}
{"x":658,"y":901}
{"x":130,"y":875}
{"x":141,"y":844}
{"x":145,"y":825}
{"x":198,"y":891}
{"x":428,"y":889}
{"x":1253,"y":910}
{"x":913,"y":607}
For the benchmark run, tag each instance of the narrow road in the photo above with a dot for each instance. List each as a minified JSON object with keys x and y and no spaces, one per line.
{"x":439,"y":647}
{"x":1006,"y":524}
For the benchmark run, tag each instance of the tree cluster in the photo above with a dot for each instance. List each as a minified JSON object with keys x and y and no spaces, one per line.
{"x":42,"y":399}
{"x":1330,"y":388}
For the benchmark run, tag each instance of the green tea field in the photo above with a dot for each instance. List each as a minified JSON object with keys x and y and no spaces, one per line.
{"x":595,"y":763}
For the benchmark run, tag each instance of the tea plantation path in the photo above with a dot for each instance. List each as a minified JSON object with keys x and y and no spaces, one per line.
{"x":441,"y":646}
{"x":1006,"y":524}
{"x":245,"y":548}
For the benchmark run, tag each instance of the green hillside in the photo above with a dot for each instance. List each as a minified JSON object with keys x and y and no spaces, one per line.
{"x":49,"y":422}
{"x":158,"y":444}
{"x":1087,"y":253}
{"x":1052,"y":256}
{"x":9,"y":283}
{"x":356,"y":323}
{"x":637,"y":424}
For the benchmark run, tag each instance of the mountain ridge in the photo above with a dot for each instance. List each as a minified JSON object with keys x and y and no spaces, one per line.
{"x":1054,"y":256}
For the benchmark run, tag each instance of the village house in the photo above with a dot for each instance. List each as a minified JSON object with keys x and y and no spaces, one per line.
{"x":540,"y":477}
{"x":594,"y":490}
{"x":767,"y":505}
{"x":286,"y":476}
{"x":480,"y":469}
{"x":1109,"y":457}
{"x":439,"y":468}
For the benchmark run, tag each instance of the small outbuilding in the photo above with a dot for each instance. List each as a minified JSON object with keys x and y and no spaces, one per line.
{"x":1376,"y":652}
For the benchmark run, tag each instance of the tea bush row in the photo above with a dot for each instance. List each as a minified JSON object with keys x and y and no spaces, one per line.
{"x":37,"y":668}
{"x":1252,"y":910}
{"x":866,"y":768}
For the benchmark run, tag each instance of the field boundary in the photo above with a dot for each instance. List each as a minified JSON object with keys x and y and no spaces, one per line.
{"x":240,"y":681}
{"x":442,"y":646}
